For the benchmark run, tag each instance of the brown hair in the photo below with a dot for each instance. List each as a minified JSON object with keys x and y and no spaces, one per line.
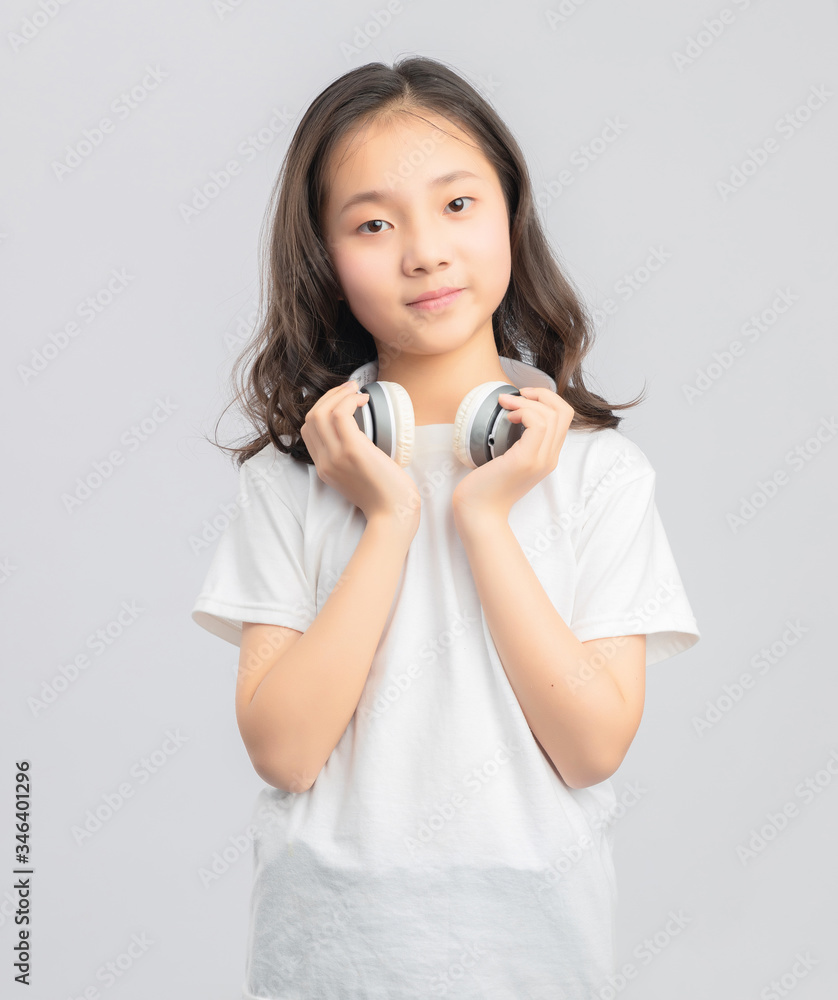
{"x":307,"y":338}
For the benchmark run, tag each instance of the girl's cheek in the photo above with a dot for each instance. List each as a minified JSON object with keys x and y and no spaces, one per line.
{"x":343,"y":264}
{"x":353,"y":274}
{"x":490,"y":236}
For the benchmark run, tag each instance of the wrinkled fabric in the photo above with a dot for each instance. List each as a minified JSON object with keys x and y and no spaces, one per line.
{"x":439,"y":852}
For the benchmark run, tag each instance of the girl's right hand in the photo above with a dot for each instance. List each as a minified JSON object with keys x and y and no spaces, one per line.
{"x":347,"y":460}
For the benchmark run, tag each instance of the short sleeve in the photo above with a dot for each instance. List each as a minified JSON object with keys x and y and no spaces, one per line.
{"x":257,"y":570}
{"x":627,"y":582}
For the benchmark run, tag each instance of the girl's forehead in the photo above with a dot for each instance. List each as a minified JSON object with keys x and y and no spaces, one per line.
{"x":388,"y":153}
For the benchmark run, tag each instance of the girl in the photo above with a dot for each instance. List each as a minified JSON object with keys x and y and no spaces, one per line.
{"x":445,"y":589}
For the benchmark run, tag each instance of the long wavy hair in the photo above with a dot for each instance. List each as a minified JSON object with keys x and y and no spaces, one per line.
{"x":307,"y":338}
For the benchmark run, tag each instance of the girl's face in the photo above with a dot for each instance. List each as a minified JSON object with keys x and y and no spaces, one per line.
{"x":411,"y":209}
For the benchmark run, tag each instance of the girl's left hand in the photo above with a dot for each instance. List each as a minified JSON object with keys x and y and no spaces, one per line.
{"x":491,"y":489}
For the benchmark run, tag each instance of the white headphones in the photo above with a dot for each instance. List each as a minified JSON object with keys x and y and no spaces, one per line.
{"x":482,"y":430}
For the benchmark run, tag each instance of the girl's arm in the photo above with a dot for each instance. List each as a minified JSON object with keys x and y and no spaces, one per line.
{"x":294,"y":700}
{"x":583,"y":701}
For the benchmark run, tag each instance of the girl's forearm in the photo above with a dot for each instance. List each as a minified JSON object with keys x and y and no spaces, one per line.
{"x":306,"y":700}
{"x":577,"y":714}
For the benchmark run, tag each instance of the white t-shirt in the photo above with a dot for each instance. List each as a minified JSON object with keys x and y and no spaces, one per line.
{"x":439,"y":852}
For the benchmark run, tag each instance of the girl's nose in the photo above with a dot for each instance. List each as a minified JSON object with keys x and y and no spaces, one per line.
{"x":427,"y":250}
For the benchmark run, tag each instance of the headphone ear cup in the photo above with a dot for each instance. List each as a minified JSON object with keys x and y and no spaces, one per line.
{"x":405,"y":424}
{"x":481,"y":425}
{"x":388,"y":420}
{"x":463,"y":423}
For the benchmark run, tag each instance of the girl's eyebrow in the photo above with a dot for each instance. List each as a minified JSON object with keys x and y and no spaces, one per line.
{"x":381,"y":197}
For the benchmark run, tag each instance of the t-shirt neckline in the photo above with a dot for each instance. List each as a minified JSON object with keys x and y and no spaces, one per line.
{"x":433,"y":437}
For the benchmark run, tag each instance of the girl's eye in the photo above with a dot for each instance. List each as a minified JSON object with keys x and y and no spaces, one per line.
{"x":459,"y":199}
{"x":372,"y":222}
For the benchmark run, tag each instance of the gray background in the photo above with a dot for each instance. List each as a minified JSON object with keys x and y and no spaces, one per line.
{"x":171,"y":333}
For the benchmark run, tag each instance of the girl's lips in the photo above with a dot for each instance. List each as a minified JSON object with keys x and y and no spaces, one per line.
{"x":438,"y":303}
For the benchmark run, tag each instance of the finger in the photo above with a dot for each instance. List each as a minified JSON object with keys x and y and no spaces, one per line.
{"x":514,"y":406}
{"x":344,"y":428}
{"x":542,"y":424}
{"x":551,"y":399}
{"x":542,"y":394}
{"x":338,"y":390}
{"x":563,"y":410}
{"x":533,"y":416}
{"x":533,"y":420}
{"x":527,"y":395}
{"x":327,"y":402}
{"x":319,"y":414}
